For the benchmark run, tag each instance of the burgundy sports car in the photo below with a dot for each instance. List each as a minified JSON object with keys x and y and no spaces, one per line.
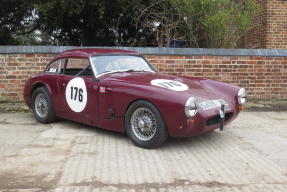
{"x":119,"y":90}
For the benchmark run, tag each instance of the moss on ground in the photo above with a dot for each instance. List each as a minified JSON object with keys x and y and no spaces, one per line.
{"x":12,"y":107}
{"x":266,"y":105}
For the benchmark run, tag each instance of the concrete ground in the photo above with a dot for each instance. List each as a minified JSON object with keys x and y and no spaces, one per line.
{"x":250,"y":155}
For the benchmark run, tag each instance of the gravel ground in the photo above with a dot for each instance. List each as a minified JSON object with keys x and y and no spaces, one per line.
{"x":249,"y":155}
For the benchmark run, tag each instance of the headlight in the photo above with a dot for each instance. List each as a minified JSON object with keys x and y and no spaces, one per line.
{"x":241,"y":96}
{"x":191,"y":107}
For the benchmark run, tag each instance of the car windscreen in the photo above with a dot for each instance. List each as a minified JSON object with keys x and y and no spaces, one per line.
{"x":117,"y":63}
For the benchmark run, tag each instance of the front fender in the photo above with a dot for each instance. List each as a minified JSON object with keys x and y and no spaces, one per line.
{"x":171,"y":106}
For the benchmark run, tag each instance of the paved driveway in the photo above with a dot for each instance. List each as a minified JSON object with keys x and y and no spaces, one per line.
{"x":250,"y":155}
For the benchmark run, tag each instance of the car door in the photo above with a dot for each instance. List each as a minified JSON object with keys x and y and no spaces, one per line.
{"x":52,"y":73}
{"x":78,"y":92}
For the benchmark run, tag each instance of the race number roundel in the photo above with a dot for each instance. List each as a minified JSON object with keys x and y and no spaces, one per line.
{"x":170,"y":84}
{"x":76,"y":94}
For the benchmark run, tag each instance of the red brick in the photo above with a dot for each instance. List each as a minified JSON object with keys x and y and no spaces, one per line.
{"x":14,"y":81}
{"x":170,"y":61}
{"x":205,"y":62}
{"x":226,"y":62}
{"x":191,"y":61}
{"x":251,"y":62}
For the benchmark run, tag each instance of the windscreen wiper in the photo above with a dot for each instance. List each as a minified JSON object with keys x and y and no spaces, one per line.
{"x":118,"y":71}
{"x":136,"y":70}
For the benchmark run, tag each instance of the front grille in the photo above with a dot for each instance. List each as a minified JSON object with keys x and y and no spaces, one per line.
{"x":216,"y":119}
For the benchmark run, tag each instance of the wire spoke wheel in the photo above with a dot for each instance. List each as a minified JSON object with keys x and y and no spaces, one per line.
{"x":143,"y":124}
{"x":41,"y":105}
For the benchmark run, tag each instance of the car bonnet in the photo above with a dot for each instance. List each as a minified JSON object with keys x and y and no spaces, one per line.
{"x":184,"y":86}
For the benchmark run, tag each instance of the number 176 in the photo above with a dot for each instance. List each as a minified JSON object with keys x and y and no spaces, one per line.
{"x":77,"y":93}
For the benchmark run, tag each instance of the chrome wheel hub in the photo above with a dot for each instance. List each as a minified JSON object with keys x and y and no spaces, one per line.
{"x":143,"y":123}
{"x":41,"y":105}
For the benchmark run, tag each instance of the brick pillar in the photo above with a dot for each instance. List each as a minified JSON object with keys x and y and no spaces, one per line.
{"x":276,"y":24}
{"x":269,"y":28}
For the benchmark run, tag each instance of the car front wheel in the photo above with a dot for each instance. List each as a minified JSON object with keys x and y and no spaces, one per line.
{"x":42,"y":107}
{"x":145,"y":125}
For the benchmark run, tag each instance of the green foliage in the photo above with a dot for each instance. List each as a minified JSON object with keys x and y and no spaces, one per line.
{"x":198,"y":23}
{"x":92,"y":22}
{"x":215,"y":23}
{"x":14,"y":20}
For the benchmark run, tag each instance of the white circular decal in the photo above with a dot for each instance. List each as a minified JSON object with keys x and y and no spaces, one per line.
{"x":170,"y":84}
{"x":76,"y":94}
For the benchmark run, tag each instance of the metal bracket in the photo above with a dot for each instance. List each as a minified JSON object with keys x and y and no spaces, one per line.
{"x":222,"y":117}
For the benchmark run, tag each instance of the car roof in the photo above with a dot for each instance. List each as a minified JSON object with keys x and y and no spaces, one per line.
{"x":86,"y":52}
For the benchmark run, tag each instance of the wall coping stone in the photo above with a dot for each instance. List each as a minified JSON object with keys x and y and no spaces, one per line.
{"x":153,"y":51}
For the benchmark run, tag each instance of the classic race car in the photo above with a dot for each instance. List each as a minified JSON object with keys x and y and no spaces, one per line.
{"x":119,"y":90}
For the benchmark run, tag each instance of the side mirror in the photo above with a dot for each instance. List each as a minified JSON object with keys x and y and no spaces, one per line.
{"x":94,"y":79}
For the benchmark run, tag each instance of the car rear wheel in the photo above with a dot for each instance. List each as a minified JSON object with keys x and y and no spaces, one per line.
{"x":145,"y":125}
{"x":42,"y":107}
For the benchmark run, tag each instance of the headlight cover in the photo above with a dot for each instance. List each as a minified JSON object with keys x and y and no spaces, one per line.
{"x":241,"y":96}
{"x":191,"y":107}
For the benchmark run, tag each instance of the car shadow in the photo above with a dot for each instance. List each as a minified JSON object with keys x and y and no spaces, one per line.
{"x":171,"y":142}
{"x":101,"y":131}
{"x":194,"y":141}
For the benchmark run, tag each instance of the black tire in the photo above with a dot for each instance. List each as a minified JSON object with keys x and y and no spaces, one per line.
{"x":160,"y":134}
{"x":49,"y":116}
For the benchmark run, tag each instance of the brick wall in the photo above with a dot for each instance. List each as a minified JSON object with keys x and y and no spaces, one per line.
{"x":263,"y":77}
{"x":15,"y":69}
{"x":269,"y":28}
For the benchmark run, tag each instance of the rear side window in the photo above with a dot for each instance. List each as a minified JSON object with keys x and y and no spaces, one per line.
{"x":56,"y":67}
{"x":75,"y":66}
